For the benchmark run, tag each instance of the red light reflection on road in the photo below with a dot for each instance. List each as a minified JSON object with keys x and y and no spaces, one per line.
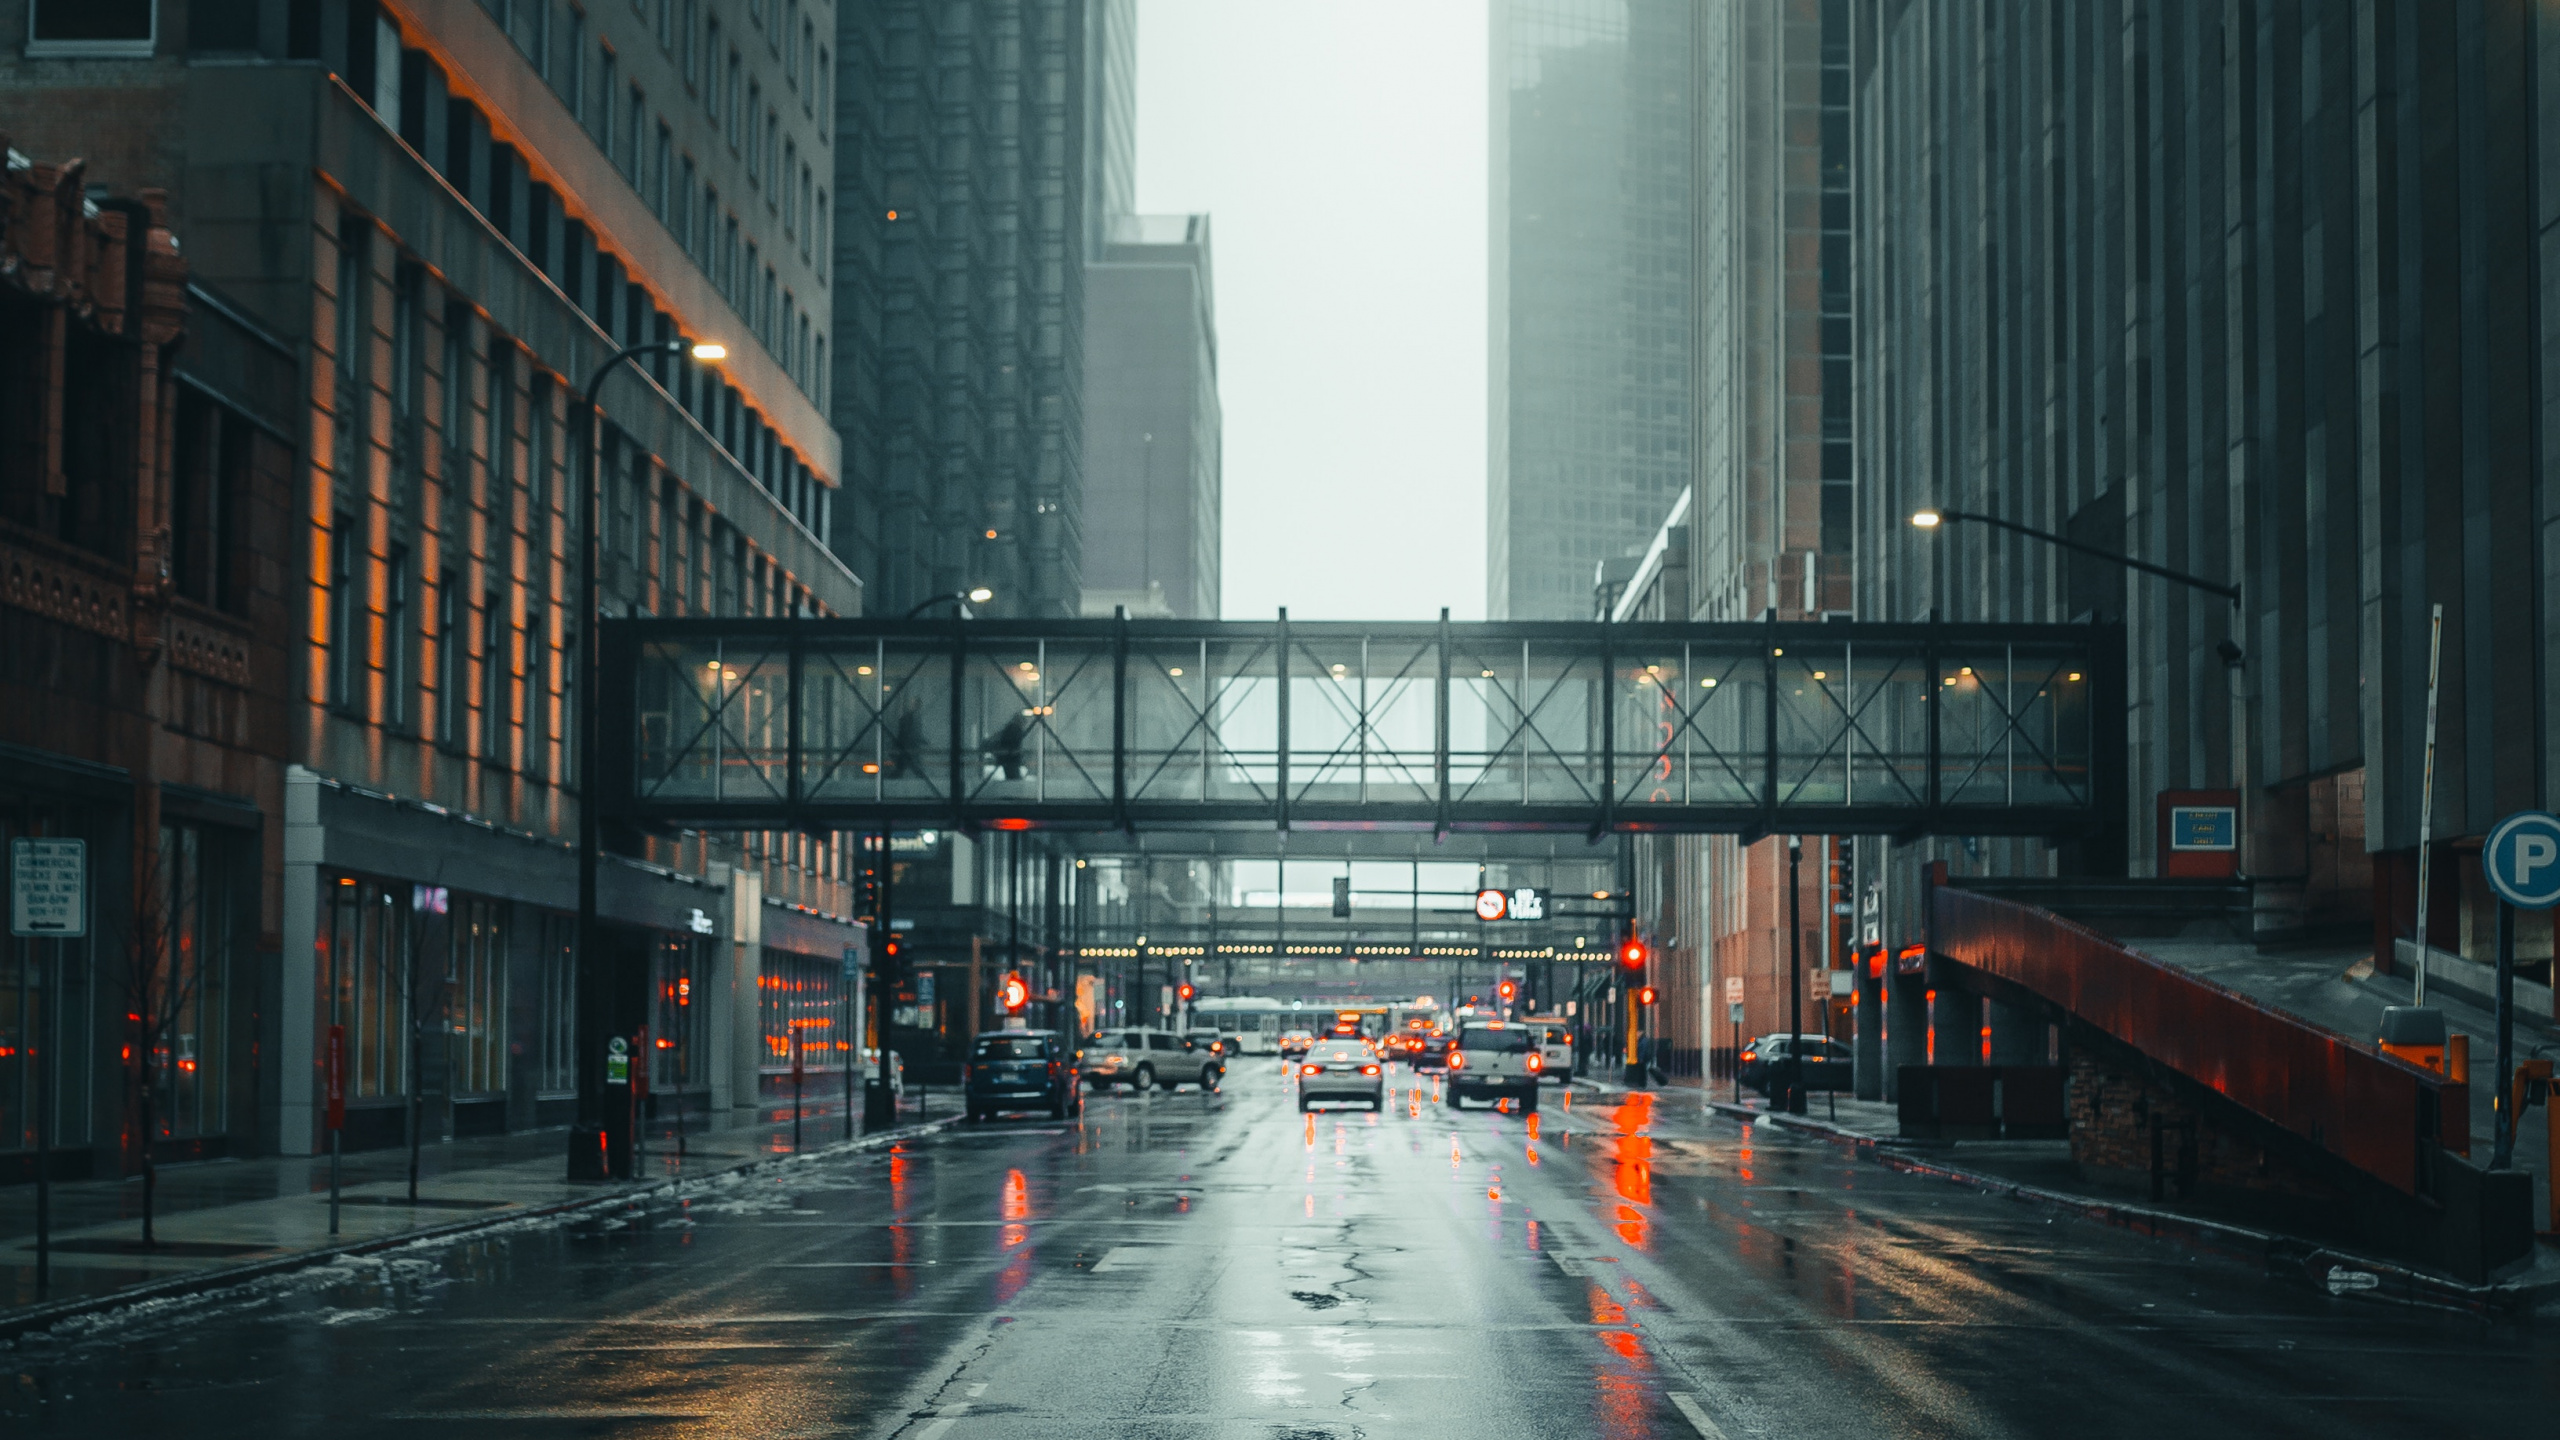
{"x":1635,"y":1168}
{"x":1017,"y":1208}
{"x":1605,"y":1311}
{"x":1632,"y":1227}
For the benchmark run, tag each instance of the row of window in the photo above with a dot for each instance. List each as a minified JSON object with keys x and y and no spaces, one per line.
{"x":675,"y":185}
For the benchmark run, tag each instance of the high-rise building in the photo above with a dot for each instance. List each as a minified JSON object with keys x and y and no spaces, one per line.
{"x":963,"y":220}
{"x":1771,"y":527}
{"x":1592,"y":332}
{"x":411,"y":231}
{"x":1151,"y":425}
{"x":2261,"y":294}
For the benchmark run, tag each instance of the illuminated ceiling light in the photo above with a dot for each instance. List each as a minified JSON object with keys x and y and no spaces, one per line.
{"x":1707,"y":684}
{"x":1821,"y":675}
{"x":1026,"y":666}
{"x":2074,"y":675}
{"x":861,"y":669}
{"x":991,"y":534}
{"x":1176,"y":672}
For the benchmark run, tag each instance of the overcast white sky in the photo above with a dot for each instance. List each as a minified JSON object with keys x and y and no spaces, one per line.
{"x":1340,"y":147}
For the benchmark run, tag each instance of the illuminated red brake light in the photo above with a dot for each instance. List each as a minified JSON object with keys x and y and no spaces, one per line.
{"x":1750,"y":1054}
{"x":1368,"y":1069}
{"x":1311,"y":1070}
{"x":1537,"y":1062}
{"x":1457,"y":1060}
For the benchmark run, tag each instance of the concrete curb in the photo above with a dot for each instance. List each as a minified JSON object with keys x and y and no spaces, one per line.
{"x":17,"y":1324}
{"x":2283,"y":1255}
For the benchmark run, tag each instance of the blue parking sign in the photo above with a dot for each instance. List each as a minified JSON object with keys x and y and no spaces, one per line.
{"x":2522,"y":860}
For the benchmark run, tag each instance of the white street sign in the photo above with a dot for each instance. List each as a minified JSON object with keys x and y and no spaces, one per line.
{"x":1733,"y":989}
{"x":49,"y":887}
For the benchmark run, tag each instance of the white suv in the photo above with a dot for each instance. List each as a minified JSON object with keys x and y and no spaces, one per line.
{"x":1142,"y":1059}
{"x":1493,"y":1060}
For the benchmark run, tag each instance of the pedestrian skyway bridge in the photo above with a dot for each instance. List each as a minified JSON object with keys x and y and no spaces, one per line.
{"x":1157,"y":724}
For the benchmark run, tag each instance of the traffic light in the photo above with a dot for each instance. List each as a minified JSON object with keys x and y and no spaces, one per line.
{"x":1341,"y":897}
{"x":1187,"y":992}
{"x":1646,"y":995}
{"x":892,"y":965}
{"x":1015,"y":993}
{"x":1509,"y":990}
{"x":1633,"y":953}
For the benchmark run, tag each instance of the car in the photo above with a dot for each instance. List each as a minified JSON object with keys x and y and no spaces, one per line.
{"x":1340,"y":1070}
{"x":1495,"y":1059}
{"x":1211,"y":1049}
{"x":1294,"y":1043}
{"x":1020,"y":1070}
{"x":1555,"y":1046}
{"x":1145,"y":1058}
{"x":1828,"y":1064}
{"x":1430,"y":1051}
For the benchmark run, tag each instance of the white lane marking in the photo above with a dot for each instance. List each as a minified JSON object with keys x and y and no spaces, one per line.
{"x":978,"y":1389}
{"x":1123,"y":1257}
{"x":1688,"y":1407}
{"x":950,"y":1416}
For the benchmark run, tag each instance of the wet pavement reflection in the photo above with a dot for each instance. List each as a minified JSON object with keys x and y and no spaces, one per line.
{"x":1217,"y":1265}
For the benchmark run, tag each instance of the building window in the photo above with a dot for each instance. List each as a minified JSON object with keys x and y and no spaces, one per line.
{"x":733,"y":122}
{"x":790,"y":196}
{"x":537,"y":470}
{"x":396,"y":680}
{"x":346,"y":616}
{"x":570,"y":79}
{"x":682,"y":965}
{"x":659,"y":173}
{"x":687,"y":232}
{"x":772,"y":133}
{"x":453,"y":663}
{"x":457,"y":394}
{"x":711,"y":68}
{"x":635,"y":164}
{"x":602,"y":122}
{"x":367,"y":934}
{"x":684,"y":43}
{"x":755,"y":142}
{"x":475,"y":1001}
{"x":826,"y":89}
{"x":819,"y":215}
{"x":502,"y":430}
{"x":493,"y":679}
{"x":207,"y":482}
{"x":92,"y":27}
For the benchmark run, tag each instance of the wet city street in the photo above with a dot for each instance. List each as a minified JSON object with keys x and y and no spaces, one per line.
{"x":1188,"y":1265}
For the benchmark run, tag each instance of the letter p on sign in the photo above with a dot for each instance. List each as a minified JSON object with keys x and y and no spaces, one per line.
{"x":2522,"y":860}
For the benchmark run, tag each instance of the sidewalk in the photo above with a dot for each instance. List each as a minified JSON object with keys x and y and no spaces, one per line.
{"x":225,"y":1219}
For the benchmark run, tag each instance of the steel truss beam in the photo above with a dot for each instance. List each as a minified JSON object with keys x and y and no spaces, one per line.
{"x":1593,"y":728}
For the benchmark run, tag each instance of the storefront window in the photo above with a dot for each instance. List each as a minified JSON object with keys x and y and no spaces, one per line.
{"x":475,"y":1005}
{"x":556,"y":1003}
{"x":803,"y":1005}
{"x":188,"y":983}
{"x":367,"y":932}
{"x":675,"y":1021}
{"x":44,"y":992}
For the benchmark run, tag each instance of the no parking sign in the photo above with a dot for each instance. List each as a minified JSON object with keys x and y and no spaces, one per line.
{"x":2521,"y":860}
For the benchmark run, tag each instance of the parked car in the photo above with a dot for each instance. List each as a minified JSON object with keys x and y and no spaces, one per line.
{"x":1145,"y":1058}
{"x":1294,"y":1043}
{"x":1494,"y":1060}
{"x":1828,"y":1064}
{"x":1020,"y":1070}
{"x":1340,"y":1070}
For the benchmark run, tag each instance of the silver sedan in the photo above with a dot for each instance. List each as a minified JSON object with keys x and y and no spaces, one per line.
{"x":1338,"y":1070}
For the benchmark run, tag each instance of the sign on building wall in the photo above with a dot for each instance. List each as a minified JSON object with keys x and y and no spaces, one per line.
{"x":49,"y":888}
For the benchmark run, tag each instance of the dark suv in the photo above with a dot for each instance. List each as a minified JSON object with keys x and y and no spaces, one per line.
{"x":1022,"y":1070}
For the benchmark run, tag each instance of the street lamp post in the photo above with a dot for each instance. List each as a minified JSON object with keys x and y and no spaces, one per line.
{"x":966,"y":598}
{"x":591,"y":1152}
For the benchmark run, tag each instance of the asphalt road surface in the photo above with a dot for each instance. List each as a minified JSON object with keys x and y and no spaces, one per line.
{"x":1185,"y":1265}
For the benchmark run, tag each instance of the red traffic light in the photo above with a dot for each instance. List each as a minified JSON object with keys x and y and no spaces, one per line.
{"x":1187,"y":993}
{"x":1633,"y":953}
{"x":1510,"y":990}
{"x":1646,"y":995}
{"x":1015,"y":994}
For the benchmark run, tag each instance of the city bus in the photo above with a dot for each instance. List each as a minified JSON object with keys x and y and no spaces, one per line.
{"x":1251,"y":1022}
